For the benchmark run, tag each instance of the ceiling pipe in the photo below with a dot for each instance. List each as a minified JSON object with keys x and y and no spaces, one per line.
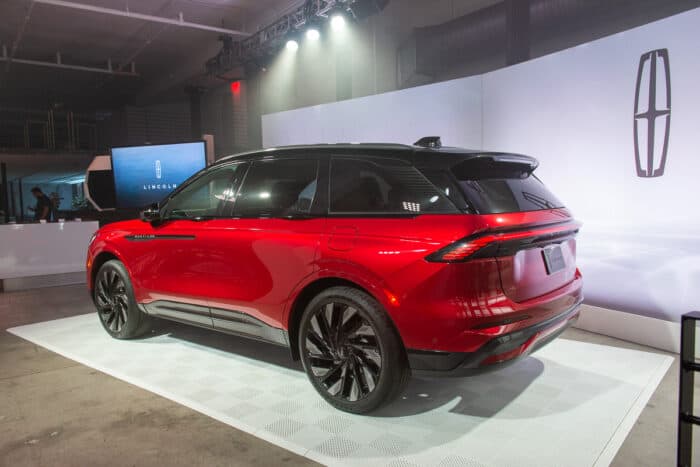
{"x":59,"y":64}
{"x":20,"y":34}
{"x":131,"y":59}
{"x":143,"y":17}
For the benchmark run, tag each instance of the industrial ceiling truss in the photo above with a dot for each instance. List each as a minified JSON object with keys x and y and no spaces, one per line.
{"x":262,"y":45}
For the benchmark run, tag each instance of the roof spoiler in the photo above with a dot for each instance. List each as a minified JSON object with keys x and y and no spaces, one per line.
{"x":432,"y":142}
{"x":531,"y":162}
{"x":493,"y":165}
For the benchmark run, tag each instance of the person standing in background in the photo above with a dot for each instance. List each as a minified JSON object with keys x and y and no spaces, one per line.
{"x":44,"y":207}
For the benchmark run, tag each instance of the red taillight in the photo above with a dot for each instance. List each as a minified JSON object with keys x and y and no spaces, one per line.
{"x":487,"y":244}
{"x":461,"y":250}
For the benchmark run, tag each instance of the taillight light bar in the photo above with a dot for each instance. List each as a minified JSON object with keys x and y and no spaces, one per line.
{"x":491,"y":243}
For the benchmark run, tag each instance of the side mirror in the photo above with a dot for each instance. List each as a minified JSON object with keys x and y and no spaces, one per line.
{"x":151,"y":213}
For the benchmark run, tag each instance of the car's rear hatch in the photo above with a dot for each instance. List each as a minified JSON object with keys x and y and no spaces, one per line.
{"x":538,"y":255}
{"x":521,"y":224}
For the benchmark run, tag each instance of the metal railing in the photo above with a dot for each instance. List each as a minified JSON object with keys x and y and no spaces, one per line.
{"x":47,"y":130}
{"x":689,"y":366}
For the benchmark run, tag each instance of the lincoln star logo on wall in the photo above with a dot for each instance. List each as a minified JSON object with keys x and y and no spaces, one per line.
{"x":652,"y":113}
{"x":158,"y":171}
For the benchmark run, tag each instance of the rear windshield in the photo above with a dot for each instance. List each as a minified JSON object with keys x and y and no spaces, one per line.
{"x":492,"y":187}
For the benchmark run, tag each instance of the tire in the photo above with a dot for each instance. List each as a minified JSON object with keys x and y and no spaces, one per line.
{"x":116,"y":306}
{"x":351,"y":351}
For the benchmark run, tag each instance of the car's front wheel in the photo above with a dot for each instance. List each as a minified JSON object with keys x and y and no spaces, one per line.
{"x":350,"y":350}
{"x":115,"y":302}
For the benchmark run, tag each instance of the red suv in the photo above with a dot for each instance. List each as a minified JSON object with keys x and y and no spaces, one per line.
{"x":371,"y":262}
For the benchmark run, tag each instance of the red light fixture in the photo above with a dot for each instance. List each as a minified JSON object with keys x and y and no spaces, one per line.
{"x":235,"y":87}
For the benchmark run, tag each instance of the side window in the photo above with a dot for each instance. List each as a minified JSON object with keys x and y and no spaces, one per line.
{"x":441,"y":180}
{"x":211,"y":195}
{"x":383,"y":187}
{"x":278,"y":188}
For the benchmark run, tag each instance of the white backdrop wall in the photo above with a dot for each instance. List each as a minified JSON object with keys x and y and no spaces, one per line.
{"x":451,"y":109}
{"x":640,"y":246}
{"x":639,"y":249}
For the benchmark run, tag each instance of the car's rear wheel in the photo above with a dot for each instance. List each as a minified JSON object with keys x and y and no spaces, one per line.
{"x":115,"y":302}
{"x":350,"y":350}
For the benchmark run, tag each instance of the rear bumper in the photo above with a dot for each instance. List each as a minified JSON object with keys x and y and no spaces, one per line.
{"x":496,"y":353}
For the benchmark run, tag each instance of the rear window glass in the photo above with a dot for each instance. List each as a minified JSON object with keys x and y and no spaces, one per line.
{"x":499,"y":187}
{"x":383,"y":187}
{"x":277,"y":188}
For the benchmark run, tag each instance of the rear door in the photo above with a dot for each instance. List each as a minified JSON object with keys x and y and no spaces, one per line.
{"x":384,"y":216}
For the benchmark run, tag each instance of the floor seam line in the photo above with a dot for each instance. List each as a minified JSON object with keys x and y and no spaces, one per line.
{"x":6,"y":378}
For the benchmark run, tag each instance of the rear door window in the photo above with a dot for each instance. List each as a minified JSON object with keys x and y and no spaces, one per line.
{"x":383,"y":186}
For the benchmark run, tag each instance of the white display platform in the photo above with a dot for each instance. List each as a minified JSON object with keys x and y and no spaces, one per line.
{"x":44,"y":249}
{"x":572,"y":403}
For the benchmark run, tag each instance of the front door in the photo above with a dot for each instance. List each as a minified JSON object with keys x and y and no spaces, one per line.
{"x":267,"y":247}
{"x":176,"y":264}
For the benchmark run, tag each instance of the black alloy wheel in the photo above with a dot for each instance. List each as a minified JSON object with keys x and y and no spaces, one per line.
{"x":343,"y":351}
{"x":351,"y":351}
{"x":112,"y":301}
{"x":116,"y":306}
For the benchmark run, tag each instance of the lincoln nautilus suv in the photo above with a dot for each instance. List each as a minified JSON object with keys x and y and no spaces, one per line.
{"x":370,"y":262}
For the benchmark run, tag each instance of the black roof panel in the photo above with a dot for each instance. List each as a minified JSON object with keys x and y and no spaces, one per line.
{"x":413,"y":154}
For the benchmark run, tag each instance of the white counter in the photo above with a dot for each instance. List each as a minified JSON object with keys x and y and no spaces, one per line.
{"x":43,"y":249}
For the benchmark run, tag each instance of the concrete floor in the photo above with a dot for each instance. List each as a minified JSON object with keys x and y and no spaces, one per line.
{"x":56,"y":412}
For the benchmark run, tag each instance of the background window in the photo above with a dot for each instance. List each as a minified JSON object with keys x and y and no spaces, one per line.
{"x":359,"y":186}
{"x":211,"y":195}
{"x":277,"y":188}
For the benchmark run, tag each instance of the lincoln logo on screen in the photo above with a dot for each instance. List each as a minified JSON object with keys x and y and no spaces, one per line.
{"x":158,"y":172}
{"x":652,"y":113}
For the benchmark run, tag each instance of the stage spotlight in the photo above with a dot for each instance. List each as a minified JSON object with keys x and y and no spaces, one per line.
{"x":313,"y":34}
{"x":292,"y":45}
{"x":337,"y":21}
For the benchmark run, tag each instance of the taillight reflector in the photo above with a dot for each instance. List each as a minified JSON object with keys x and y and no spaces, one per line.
{"x":461,"y":250}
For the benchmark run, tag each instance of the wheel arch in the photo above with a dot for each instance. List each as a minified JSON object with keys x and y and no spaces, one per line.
{"x":97,"y":263}
{"x":101,"y":258}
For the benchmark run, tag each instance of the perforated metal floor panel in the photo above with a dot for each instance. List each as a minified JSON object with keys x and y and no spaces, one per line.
{"x":572,"y":403}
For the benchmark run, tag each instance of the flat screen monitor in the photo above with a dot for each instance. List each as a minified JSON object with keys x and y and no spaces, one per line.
{"x":144,"y":175}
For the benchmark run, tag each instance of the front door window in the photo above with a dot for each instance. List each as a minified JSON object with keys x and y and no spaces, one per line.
{"x":208,"y":197}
